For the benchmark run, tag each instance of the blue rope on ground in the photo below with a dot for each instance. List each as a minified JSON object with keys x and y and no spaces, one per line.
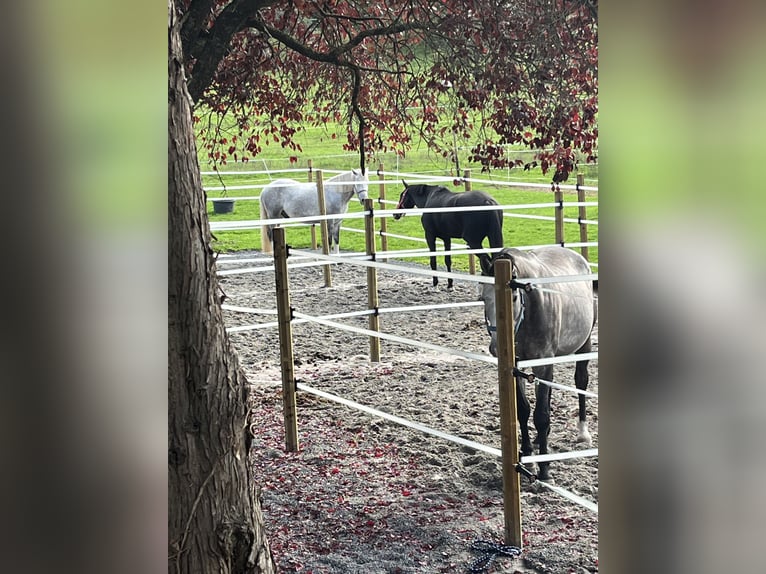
{"x":489,"y":552}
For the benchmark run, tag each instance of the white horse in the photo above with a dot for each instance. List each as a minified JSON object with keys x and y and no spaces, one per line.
{"x":289,"y":198}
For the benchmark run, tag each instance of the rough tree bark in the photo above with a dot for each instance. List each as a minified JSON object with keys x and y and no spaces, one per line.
{"x":214,"y":514}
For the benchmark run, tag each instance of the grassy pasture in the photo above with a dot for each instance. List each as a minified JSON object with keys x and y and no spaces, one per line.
{"x":326,"y":153}
{"x":516,"y":231}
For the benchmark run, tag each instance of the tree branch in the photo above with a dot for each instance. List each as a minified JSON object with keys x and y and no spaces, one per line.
{"x":333,"y":55}
{"x":194,"y":22}
{"x":209,"y":48}
{"x":375,"y":32}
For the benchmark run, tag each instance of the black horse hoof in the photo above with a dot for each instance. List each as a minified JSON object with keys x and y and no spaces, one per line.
{"x":543,"y":473}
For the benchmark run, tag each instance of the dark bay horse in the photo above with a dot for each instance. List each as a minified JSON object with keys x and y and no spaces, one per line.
{"x":471,"y":226}
{"x":550,"y":320}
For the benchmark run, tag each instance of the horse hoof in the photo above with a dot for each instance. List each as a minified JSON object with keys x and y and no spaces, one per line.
{"x":583,"y":435}
{"x":543,"y":473}
{"x":584,"y":439}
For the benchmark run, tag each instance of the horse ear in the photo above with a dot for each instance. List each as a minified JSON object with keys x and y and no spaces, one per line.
{"x":504,"y":254}
{"x":405,"y":184}
{"x":355,"y":171}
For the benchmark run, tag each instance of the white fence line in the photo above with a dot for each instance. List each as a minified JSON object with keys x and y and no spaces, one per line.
{"x":419,"y":178}
{"x":429,"y":307}
{"x":399,"y":420}
{"x":263,"y":268}
{"x":397,"y":339}
{"x":588,"y":504}
{"x":555,"y":360}
{"x":584,"y":502}
{"x":238,"y":309}
{"x":256,"y":223}
{"x":300,"y":317}
{"x":584,"y":453}
{"x":259,"y":172}
{"x":399,"y":268}
{"x":569,"y":388}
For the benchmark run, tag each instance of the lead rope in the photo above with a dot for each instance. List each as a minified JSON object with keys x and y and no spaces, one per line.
{"x":521,"y":314}
{"x":489,"y":552}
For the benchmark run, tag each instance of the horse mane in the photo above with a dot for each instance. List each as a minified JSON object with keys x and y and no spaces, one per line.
{"x":488,"y":265}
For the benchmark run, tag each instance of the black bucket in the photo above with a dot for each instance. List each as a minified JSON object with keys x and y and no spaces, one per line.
{"x":223,"y":206}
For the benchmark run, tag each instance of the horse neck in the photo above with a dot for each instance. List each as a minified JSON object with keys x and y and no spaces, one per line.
{"x":437,"y":198}
{"x":338,"y":195}
{"x":342,"y":184}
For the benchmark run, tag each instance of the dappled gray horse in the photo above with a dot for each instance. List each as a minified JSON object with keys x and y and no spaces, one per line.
{"x":290,"y":198}
{"x":550,"y":320}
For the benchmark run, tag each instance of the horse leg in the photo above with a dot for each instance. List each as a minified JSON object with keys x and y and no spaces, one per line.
{"x":336,"y":236}
{"x":523,"y":409}
{"x":431,"y":241}
{"x":448,"y":261}
{"x":267,"y":239}
{"x":485,"y":261}
{"x":581,"y":382}
{"x":542,"y":416}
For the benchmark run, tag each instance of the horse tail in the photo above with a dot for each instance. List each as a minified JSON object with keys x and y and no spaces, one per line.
{"x":266,"y":244}
{"x":495,"y":234}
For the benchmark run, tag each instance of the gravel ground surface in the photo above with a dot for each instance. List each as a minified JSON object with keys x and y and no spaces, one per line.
{"x":364,"y":495}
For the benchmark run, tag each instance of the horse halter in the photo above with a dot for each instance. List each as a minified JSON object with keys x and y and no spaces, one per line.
{"x":401,"y":200}
{"x":515,"y":286}
{"x":400,"y":205}
{"x":521,"y":289}
{"x":358,"y":188}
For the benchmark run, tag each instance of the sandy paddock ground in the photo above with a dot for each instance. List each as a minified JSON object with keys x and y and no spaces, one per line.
{"x":364,"y":495}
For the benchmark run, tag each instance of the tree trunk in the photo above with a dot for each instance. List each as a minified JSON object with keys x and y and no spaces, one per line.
{"x":214,"y":514}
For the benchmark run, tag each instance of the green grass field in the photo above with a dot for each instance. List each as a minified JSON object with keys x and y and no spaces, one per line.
{"x":516,"y":231}
{"x":326,"y":153}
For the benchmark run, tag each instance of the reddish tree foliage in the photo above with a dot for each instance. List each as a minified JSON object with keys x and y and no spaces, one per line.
{"x":513,"y":72}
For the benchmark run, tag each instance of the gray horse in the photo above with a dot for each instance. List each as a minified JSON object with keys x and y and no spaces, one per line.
{"x":550,"y":320}
{"x":290,"y":198}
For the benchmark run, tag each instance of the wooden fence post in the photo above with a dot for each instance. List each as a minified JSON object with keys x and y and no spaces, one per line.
{"x":313,"y":225}
{"x":468,"y":187}
{"x":372,"y":280}
{"x":323,"y":227}
{"x":383,"y":221}
{"x":267,"y":245}
{"x":285,"y":340}
{"x":558,"y":198}
{"x":506,"y":360}
{"x":583,"y":215}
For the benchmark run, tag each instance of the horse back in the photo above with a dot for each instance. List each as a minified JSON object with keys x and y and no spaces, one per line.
{"x":561,"y":315}
{"x":290,"y":197}
{"x":480,"y":224}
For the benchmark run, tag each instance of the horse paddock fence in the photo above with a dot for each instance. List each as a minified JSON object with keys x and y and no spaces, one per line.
{"x":317,"y":175}
{"x":511,"y":461}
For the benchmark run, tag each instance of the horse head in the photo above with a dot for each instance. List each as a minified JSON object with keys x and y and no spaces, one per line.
{"x":488,"y":263}
{"x":360,"y":184}
{"x":405,"y":201}
{"x":487,"y":295}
